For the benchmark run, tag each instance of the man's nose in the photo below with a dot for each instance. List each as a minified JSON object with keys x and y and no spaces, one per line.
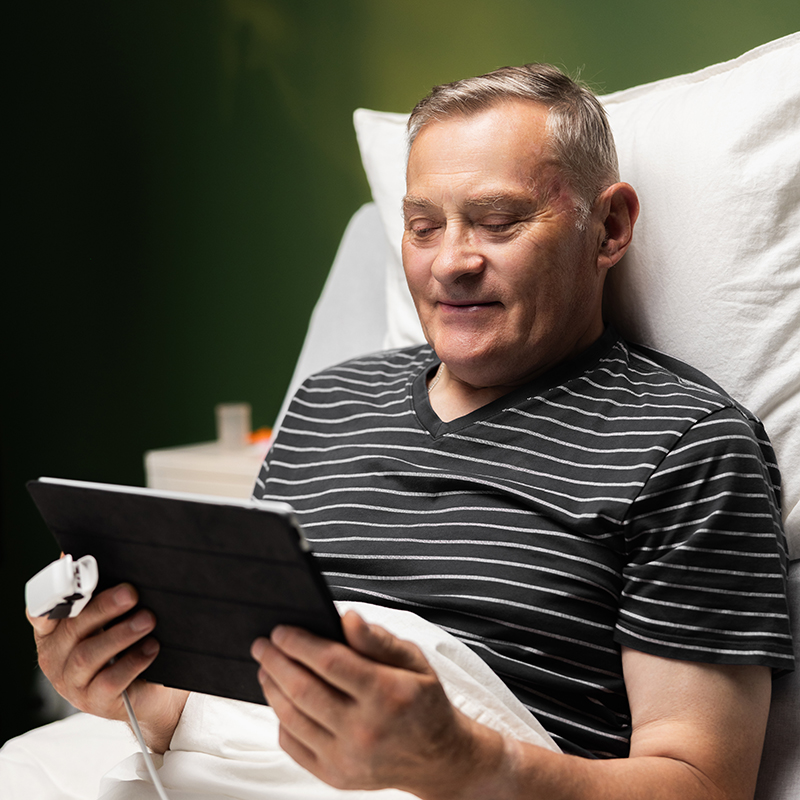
{"x":457,"y":256}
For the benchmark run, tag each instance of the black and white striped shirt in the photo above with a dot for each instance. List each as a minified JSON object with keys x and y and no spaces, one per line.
{"x":620,"y":499}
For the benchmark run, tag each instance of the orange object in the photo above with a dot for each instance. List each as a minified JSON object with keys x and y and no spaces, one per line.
{"x":260,"y":435}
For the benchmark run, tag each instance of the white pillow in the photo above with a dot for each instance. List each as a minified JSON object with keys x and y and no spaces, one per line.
{"x":382,"y":141}
{"x":713,"y":275}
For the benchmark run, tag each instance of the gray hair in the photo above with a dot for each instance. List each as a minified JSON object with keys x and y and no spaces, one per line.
{"x":581,"y":136}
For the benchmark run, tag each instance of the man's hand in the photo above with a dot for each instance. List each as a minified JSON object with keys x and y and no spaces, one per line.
{"x":370,"y":716}
{"x":81,"y":658}
{"x":374,"y":715}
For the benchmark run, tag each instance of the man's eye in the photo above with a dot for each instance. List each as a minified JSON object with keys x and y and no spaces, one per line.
{"x":499,"y":227}
{"x":421,"y":231}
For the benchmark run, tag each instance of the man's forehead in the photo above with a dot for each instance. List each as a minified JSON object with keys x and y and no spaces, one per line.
{"x":511,"y":136}
{"x":527,"y":118}
{"x":503,"y":110}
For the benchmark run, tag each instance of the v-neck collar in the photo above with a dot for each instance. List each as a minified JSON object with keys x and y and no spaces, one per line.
{"x":563,"y":372}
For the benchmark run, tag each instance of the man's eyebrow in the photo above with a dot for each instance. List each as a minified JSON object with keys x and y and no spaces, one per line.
{"x":500,"y":201}
{"x":413,"y":202}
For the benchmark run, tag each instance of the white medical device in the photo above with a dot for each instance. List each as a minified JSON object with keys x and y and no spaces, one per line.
{"x":62,"y":589}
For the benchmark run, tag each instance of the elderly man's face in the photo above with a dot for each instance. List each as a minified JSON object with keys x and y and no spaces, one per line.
{"x":505,"y":283}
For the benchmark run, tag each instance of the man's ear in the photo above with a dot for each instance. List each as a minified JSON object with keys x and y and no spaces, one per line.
{"x":618,"y":208}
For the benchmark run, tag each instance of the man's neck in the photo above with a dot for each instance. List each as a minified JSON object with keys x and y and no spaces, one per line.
{"x":451,"y":399}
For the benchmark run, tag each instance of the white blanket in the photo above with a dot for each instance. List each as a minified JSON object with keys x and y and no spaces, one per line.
{"x":228,"y":749}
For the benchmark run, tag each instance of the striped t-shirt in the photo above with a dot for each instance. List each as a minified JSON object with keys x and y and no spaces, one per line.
{"x":620,"y":499}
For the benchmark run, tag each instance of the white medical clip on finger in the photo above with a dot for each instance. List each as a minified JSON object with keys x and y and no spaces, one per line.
{"x":62,"y":589}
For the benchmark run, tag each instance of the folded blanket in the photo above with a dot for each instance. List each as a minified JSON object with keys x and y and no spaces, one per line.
{"x":229,"y":749}
{"x":64,"y":760}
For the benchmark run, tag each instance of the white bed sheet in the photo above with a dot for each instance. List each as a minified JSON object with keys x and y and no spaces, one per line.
{"x":229,"y":749}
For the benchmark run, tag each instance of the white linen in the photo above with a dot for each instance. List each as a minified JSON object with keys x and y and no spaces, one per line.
{"x":229,"y":749}
{"x":64,"y":760}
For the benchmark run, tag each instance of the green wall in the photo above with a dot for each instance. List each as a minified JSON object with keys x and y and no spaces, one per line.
{"x":178,"y":175}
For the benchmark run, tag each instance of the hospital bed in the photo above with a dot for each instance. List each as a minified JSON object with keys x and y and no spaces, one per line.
{"x":713,"y":277}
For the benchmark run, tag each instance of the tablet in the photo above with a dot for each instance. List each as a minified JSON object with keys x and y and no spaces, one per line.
{"x":216,"y":572}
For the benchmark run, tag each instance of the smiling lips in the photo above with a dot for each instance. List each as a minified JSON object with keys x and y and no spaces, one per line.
{"x":463,"y":306}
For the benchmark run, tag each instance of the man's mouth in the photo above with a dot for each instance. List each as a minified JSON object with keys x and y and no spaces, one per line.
{"x":466,"y":305}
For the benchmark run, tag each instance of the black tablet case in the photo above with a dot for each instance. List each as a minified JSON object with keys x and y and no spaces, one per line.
{"x":216,"y":576}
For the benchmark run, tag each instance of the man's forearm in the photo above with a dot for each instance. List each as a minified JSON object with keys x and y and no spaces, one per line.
{"x":535,"y":772}
{"x":506,"y":769}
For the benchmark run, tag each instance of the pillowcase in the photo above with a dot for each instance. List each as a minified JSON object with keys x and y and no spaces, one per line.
{"x":713,"y":274}
{"x":382,"y":141}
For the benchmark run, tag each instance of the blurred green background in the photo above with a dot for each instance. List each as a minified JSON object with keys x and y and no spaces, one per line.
{"x":178,"y":174}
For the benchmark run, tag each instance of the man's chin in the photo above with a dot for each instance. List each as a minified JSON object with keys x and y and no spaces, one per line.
{"x":478,"y":368}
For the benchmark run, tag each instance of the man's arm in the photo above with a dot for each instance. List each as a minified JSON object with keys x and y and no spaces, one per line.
{"x":374,"y":715}
{"x":81,"y":657}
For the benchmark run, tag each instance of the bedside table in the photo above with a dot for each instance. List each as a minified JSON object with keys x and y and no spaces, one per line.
{"x":226,"y":467}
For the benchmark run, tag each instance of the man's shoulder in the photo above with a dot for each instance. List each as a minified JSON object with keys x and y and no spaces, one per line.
{"x":356,"y":393}
{"x":370,"y":374}
{"x":627,"y":387}
{"x":397,"y":362}
{"x":679,"y":380}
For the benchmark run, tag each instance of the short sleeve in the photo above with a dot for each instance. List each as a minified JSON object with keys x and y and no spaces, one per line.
{"x":705,"y":578}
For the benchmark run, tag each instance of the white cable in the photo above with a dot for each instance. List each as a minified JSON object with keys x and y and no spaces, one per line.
{"x":145,"y":751}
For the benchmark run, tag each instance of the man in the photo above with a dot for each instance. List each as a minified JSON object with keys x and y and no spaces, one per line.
{"x":599,"y":523}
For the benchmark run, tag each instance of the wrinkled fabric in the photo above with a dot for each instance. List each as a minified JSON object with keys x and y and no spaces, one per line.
{"x":229,"y":749}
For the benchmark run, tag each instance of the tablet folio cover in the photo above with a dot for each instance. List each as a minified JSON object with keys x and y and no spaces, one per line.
{"x":216,"y":575}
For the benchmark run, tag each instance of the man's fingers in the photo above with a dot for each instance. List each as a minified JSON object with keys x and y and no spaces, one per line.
{"x":293,"y":656}
{"x":378,"y":644}
{"x":337,"y":662}
{"x":78,"y":647}
{"x":338,"y":665}
{"x":92,"y":654}
{"x":310,"y":732}
{"x":297,"y":751}
{"x":123,"y":672}
{"x":289,"y":686}
{"x":42,"y":626}
{"x":104,"y":608}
